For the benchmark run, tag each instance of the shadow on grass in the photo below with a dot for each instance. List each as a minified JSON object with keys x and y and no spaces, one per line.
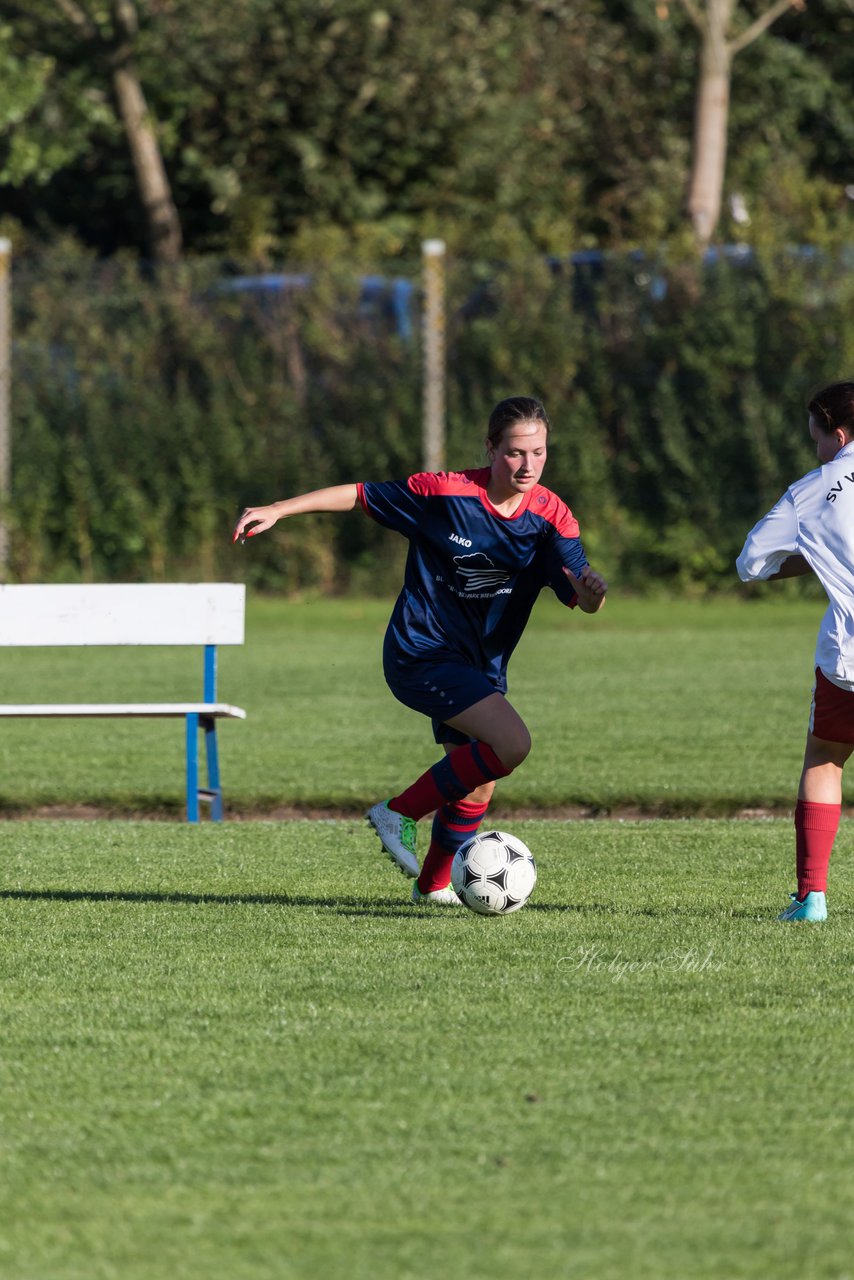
{"x":357,"y":906}
{"x":378,"y":907}
{"x":652,"y":913}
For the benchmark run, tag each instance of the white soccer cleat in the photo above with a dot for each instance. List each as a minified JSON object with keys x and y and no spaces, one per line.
{"x":441,"y":897}
{"x":397,"y":834}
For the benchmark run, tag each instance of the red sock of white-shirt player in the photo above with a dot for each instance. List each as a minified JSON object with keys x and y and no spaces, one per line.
{"x":816,"y":826}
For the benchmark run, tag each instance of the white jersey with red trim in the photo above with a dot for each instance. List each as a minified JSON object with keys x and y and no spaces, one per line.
{"x":815,"y":519}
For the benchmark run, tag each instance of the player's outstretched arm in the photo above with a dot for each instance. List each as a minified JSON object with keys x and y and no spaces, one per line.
{"x":254,"y":520}
{"x":590,"y":588}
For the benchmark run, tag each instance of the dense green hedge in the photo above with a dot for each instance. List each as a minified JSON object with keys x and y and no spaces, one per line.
{"x":147,"y":413}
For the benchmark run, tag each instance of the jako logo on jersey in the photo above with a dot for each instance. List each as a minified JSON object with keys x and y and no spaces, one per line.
{"x":478,"y":572}
{"x":463,"y":542}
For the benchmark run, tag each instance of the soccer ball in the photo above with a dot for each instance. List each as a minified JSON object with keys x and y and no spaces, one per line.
{"x":493,"y":873}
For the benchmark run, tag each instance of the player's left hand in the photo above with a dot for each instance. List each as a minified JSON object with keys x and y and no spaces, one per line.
{"x":590,"y":588}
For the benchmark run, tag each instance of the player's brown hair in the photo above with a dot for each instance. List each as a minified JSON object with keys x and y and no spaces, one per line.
{"x":507,"y":413}
{"x":832,"y":406}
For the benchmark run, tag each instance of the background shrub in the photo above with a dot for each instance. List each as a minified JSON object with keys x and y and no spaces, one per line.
{"x":147,"y":412}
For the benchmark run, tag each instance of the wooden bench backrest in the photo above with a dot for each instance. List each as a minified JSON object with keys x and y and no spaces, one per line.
{"x":133,"y":613}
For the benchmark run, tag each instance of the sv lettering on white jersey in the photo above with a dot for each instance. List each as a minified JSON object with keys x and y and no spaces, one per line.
{"x":837,"y":488}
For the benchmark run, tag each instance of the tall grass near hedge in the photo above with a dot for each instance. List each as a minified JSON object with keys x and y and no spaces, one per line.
{"x":147,"y":412}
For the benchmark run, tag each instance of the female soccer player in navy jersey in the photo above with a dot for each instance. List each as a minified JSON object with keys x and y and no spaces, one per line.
{"x":482,"y":545}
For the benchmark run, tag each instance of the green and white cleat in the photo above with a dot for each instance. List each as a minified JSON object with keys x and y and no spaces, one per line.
{"x":812,"y":908}
{"x":397,"y":834}
{"x":441,"y":897}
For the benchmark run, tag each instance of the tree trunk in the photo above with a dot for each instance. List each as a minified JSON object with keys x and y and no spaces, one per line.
{"x":710,"y":122}
{"x":164,"y":226}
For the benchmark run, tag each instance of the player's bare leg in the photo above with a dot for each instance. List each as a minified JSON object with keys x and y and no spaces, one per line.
{"x":495,"y":721}
{"x":821,"y":778}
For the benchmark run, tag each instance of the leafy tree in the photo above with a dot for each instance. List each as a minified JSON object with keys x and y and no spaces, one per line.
{"x":45,"y":119}
{"x":293,"y":128}
{"x":720,"y":42}
{"x":95,"y":49}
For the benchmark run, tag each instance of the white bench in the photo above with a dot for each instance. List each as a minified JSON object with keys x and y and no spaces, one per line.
{"x":206,"y":614}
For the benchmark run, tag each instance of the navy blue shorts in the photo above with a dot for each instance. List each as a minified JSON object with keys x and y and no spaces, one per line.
{"x":439,"y":690}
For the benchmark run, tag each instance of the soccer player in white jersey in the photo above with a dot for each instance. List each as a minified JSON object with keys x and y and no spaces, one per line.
{"x":811,"y":529}
{"x":482,"y":545}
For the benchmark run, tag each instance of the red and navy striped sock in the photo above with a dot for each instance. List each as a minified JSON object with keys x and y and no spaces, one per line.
{"x":815,"y":831}
{"x":452,"y":778}
{"x":453,"y":824}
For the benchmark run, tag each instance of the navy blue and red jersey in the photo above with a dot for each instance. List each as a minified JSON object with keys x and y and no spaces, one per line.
{"x":472,"y":575}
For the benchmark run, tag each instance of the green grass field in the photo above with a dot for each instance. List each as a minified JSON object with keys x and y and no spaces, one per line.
{"x":235,"y":1052}
{"x":691,"y":708}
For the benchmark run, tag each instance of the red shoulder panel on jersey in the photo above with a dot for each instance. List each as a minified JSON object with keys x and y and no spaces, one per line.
{"x":550,"y":507}
{"x":435,"y":484}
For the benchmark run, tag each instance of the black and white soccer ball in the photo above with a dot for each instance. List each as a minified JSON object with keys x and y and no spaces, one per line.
{"x":494,"y":873}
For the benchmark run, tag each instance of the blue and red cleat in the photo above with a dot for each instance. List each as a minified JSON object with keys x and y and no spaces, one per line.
{"x":811,"y":908}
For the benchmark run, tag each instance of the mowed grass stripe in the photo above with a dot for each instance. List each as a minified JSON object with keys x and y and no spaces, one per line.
{"x":237,"y":1052}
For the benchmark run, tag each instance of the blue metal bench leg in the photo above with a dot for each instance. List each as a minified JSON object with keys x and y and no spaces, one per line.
{"x":214,"y":787}
{"x":192,"y":767}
